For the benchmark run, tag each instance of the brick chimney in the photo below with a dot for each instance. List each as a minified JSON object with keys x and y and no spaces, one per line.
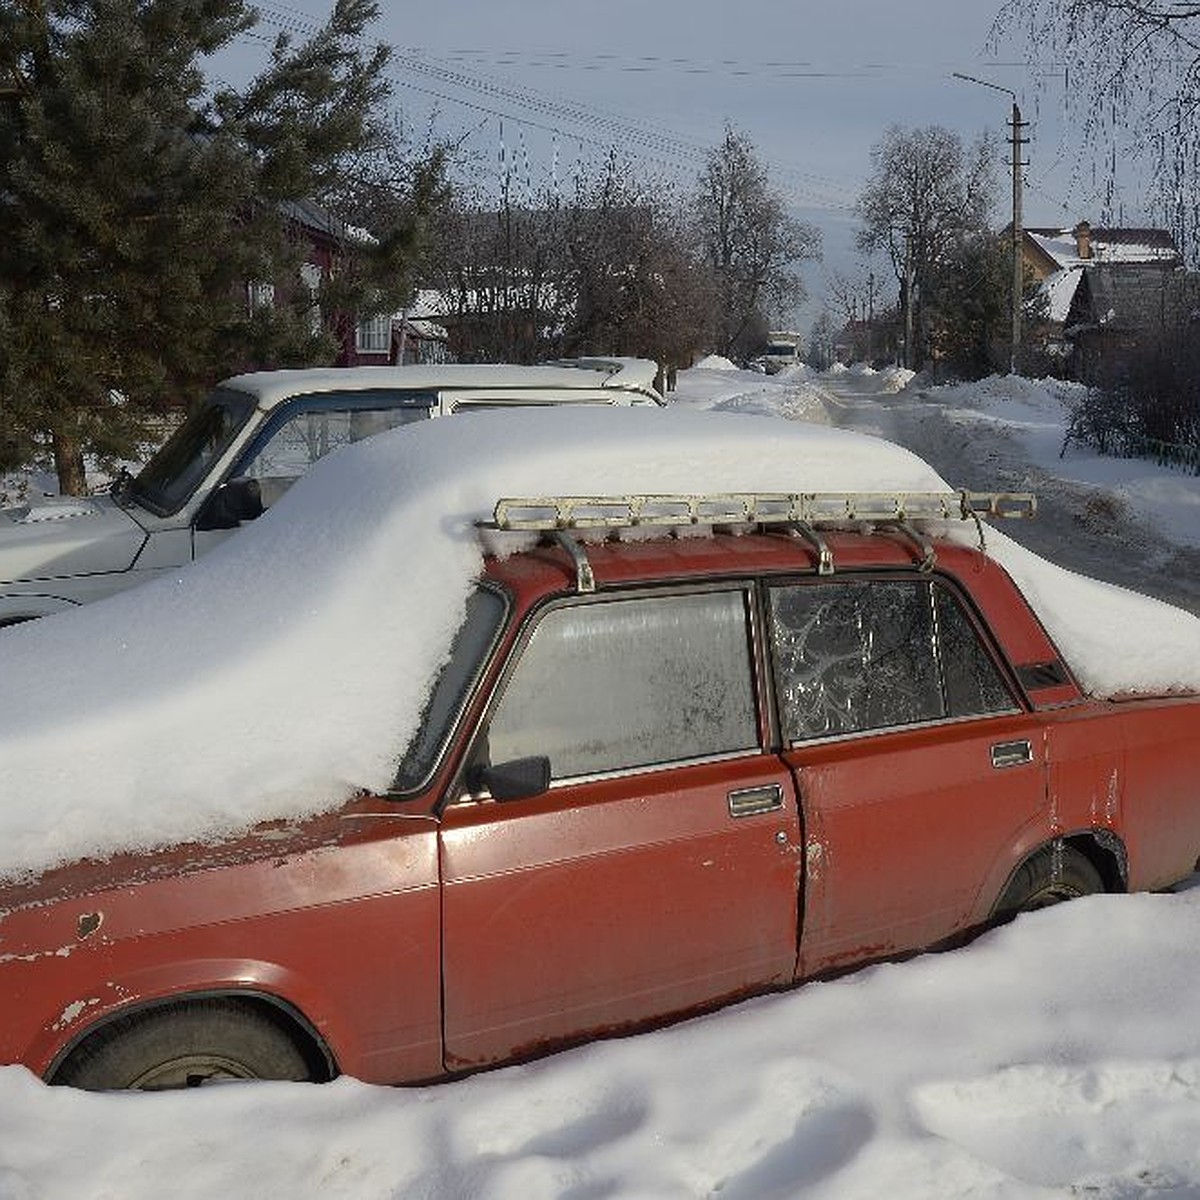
{"x":1083,"y":240}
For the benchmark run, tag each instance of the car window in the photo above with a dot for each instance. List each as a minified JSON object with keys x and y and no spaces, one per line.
{"x":308,"y":432}
{"x":472,"y":644}
{"x":858,"y":655}
{"x":167,"y":481}
{"x":973,"y":684}
{"x":634,"y":682}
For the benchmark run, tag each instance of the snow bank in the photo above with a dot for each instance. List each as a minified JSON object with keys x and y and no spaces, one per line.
{"x":1056,"y":1057}
{"x":715,"y":362}
{"x":1036,"y":411}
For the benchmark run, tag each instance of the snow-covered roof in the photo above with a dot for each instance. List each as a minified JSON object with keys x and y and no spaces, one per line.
{"x":271,"y":388}
{"x":1059,"y":290}
{"x":1107,"y":246}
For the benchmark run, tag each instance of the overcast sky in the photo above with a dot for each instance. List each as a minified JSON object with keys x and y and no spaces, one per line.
{"x":813,"y":83}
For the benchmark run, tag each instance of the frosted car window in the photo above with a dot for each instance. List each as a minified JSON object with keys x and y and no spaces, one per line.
{"x":854,"y":656}
{"x":973,"y":684}
{"x":631,"y":683}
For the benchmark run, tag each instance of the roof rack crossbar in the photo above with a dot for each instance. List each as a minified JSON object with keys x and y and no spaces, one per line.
{"x":548,"y":513}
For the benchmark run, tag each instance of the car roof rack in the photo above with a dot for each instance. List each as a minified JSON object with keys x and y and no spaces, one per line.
{"x":802,"y":513}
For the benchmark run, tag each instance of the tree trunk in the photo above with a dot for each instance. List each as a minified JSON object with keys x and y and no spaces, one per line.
{"x":68,"y":463}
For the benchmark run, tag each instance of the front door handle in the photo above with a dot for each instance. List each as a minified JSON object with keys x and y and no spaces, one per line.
{"x":747,"y":802}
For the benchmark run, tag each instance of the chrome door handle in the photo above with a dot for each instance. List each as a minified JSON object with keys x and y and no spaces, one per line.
{"x":746,"y":802}
{"x":1012,"y":754}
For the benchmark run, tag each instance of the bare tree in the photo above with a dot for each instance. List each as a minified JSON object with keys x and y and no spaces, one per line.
{"x":751,"y":242}
{"x":925,"y":193}
{"x":1133,"y":74}
{"x":611,"y":270}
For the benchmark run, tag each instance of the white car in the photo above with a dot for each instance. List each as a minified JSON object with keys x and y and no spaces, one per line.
{"x":241,"y":449}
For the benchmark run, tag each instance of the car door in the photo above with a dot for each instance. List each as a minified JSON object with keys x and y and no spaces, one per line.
{"x":916,"y":765}
{"x":659,"y":871}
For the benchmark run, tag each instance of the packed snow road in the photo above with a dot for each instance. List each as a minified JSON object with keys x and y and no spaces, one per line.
{"x":1095,"y":528}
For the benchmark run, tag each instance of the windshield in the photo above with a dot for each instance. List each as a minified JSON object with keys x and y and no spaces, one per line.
{"x":166,"y":482}
{"x":472,"y":644}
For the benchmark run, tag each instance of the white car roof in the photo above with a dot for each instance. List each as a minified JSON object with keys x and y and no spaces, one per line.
{"x":637,"y":375}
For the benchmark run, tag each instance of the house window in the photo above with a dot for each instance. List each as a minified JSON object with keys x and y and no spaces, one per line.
{"x":374,"y":335}
{"x":260,"y":295}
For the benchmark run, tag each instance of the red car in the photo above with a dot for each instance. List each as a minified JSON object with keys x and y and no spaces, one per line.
{"x":655,"y":776}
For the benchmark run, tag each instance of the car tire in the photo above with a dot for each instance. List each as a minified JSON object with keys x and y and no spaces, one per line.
{"x":185,"y":1045}
{"x":1055,"y":873}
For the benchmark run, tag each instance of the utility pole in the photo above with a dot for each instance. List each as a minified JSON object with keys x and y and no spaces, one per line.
{"x":1018,"y":274}
{"x":909,"y":326}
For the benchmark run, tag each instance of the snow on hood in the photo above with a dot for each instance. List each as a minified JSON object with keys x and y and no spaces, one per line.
{"x":287,"y":669}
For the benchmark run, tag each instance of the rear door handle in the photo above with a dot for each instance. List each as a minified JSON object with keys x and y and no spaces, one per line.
{"x":747,"y":802}
{"x":1012,"y":754}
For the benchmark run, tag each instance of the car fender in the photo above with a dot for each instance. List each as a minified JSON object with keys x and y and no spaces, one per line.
{"x":300,"y":996}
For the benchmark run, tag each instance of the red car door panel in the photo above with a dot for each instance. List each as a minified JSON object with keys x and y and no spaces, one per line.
{"x":903,"y":828}
{"x":613,"y":902}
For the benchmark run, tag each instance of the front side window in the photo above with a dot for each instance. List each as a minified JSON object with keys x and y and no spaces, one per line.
{"x":859,"y":655}
{"x":306,"y":433}
{"x":635,"y":682}
{"x":168,"y":480}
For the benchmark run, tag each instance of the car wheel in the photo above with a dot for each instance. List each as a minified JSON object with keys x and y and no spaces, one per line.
{"x":1055,"y":873}
{"x":185,"y":1045}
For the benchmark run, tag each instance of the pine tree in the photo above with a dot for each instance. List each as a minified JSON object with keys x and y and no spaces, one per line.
{"x":135,"y":208}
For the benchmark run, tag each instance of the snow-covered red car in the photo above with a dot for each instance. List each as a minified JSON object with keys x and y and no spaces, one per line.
{"x":653,"y":774}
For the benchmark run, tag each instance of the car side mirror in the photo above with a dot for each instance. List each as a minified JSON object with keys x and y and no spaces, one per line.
{"x":235,"y":501}
{"x":516,"y":779}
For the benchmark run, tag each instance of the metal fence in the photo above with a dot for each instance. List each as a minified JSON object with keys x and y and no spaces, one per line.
{"x":1170,"y":454}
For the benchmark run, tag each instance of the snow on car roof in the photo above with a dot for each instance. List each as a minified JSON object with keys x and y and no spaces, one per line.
{"x":273,"y":387}
{"x":287,"y":669}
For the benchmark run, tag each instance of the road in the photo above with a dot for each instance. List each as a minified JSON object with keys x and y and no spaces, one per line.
{"x":1077,"y":526}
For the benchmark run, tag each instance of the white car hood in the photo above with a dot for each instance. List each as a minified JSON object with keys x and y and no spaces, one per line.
{"x":50,"y":538}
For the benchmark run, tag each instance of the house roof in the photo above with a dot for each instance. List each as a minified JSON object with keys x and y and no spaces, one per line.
{"x":1123,"y":247}
{"x":1130,"y":298}
{"x":1108,"y":245}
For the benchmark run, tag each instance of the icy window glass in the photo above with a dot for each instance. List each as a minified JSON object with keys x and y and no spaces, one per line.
{"x":854,"y":655}
{"x":973,"y":684}
{"x":630,"y":683}
{"x":309,"y":434}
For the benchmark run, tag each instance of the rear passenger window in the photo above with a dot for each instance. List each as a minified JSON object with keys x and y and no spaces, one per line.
{"x":617,"y":684}
{"x":858,"y":655}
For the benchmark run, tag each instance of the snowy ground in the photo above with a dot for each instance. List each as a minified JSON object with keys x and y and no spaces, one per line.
{"x":1057,"y":1057}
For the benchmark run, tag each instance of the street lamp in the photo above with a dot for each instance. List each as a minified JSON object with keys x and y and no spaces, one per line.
{"x":1017,"y":276}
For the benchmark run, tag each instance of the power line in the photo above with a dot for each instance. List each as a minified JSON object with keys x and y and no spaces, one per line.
{"x":565,"y":117}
